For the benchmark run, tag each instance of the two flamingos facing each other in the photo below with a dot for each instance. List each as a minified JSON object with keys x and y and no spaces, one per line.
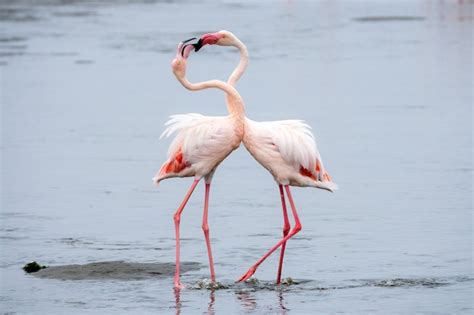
{"x":285,"y":148}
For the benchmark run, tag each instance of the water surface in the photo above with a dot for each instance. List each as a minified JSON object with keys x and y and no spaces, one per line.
{"x":86,"y":87}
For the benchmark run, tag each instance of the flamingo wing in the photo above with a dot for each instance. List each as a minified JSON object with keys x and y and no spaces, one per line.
{"x":200,"y":143}
{"x":294,"y":142}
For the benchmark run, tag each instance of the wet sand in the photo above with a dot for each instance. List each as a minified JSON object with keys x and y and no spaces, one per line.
{"x":115,"y":270}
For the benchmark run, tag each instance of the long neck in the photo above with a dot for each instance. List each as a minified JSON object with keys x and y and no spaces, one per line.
{"x":235,"y":104}
{"x":243,"y":63}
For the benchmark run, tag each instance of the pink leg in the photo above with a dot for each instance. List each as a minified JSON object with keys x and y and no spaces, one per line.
{"x":205,"y":228}
{"x":295,"y":230}
{"x":177,"y":219}
{"x":286,"y":230}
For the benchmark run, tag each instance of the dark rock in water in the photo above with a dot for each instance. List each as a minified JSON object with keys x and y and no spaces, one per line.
{"x":117,"y":270}
{"x":33,"y":267}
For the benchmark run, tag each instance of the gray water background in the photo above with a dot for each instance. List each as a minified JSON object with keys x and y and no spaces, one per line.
{"x":387,"y":86}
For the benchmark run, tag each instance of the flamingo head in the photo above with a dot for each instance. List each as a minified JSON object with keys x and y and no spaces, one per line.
{"x":221,"y":38}
{"x":183,"y":51}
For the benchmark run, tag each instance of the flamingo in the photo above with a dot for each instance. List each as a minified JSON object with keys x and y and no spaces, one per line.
{"x":286,"y":148}
{"x":200,"y":145}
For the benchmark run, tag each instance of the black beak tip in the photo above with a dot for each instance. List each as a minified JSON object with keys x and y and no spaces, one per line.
{"x":184,"y":44}
{"x":188,"y":40}
{"x":198,"y":45}
{"x":182,"y":50}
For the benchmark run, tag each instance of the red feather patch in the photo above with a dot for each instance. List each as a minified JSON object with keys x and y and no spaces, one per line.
{"x":324,"y":177}
{"x":306,"y":172}
{"x":175,"y":164}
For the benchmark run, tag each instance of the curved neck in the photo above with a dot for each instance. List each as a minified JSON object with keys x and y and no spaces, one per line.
{"x":243,"y":63}
{"x":235,"y":104}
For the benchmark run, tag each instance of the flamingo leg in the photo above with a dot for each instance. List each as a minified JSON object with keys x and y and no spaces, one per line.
{"x":286,"y":230}
{"x":205,"y":228}
{"x":177,"y":219}
{"x":295,"y":230}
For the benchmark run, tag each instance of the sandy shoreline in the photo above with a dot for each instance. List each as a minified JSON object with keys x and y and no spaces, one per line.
{"x":117,"y":270}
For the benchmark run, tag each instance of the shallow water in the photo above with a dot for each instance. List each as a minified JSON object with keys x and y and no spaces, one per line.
{"x":87,"y":86}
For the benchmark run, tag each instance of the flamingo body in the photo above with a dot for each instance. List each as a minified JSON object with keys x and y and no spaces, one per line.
{"x":287,"y":149}
{"x":201,"y":143}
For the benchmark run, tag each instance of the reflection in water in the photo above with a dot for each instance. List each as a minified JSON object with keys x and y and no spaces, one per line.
{"x":178,"y":304}
{"x":212,"y":299}
{"x":283,"y":309}
{"x":177,"y":297}
{"x":247,"y":293}
{"x":247,"y":300}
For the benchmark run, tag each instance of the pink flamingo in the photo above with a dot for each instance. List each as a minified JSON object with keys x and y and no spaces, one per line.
{"x":286,"y":148}
{"x":200,"y":145}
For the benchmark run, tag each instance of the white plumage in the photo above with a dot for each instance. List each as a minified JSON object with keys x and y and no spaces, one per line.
{"x":287,"y":149}
{"x":203,"y":142}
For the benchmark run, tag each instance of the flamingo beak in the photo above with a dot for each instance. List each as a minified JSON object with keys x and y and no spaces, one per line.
{"x":198,"y":45}
{"x":184,"y":44}
{"x":207,"y":39}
